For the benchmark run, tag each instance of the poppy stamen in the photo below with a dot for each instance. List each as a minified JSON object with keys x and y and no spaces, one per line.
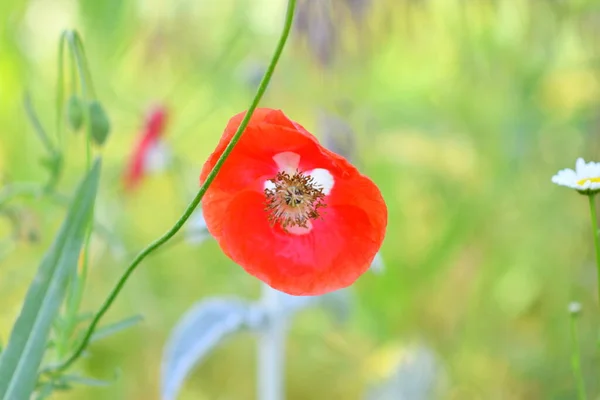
{"x":293,"y":200}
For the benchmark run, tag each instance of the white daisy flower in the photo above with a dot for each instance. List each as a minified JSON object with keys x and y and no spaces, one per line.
{"x":585,"y":178}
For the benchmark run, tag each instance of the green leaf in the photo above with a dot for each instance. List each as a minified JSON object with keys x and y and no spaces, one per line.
{"x":99,"y":123}
{"x":83,"y":380}
{"x":110,"y":330}
{"x":20,"y":361}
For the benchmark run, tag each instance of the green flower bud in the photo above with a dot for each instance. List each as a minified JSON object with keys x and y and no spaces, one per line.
{"x":75,"y":112}
{"x":99,"y":123}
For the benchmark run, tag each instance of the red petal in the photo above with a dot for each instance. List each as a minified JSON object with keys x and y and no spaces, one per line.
{"x":155,"y":122}
{"x":135,"y":169}
{"x":268,"y":133}
{"x":339,"y":248}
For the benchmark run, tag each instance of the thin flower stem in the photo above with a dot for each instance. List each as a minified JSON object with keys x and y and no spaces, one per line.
{"x":37,"y":126}
{"x":592,"y":200}
{"x":84,"y":63}
{"x":271,"y":348}
{"x":79,"y":279}
{"x":60,"y":91}
{"x":575,"y":358}
{"x":194,"y":203}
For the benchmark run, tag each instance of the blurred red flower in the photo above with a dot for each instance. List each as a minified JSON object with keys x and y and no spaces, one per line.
{"x":290,"y":212}
{"x":148,"y":142}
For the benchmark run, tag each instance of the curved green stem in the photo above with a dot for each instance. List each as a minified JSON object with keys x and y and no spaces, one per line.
{"x":594,"y":220}
{"x":78,"y":53}
{"x":60,"y":91}
{"x":84,"y":62}
{"x":194,"y":203}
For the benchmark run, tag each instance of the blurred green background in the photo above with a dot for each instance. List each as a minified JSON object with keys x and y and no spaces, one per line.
{"x":461,"y":111}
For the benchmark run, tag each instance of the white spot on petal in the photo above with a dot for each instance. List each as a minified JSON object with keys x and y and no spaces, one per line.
{"x":287,"y":161}
{"x":269,"y":185}
{"x":323,"y":179}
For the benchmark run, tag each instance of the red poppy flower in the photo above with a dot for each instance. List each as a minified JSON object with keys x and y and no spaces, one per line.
{"x":290,"y":212}
{"x":148,"y":145}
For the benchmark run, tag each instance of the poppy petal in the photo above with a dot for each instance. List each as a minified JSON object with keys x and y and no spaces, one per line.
{"x":337,"y":250}
{"x":252,"y":157}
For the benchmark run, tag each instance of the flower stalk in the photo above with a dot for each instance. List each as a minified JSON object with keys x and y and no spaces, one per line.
{"x":594,"y":220}
{"x":271,"y":348}
{"x":574,"y":310}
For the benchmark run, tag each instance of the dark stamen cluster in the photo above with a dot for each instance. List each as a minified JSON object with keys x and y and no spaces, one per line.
{"x":294,"y":201}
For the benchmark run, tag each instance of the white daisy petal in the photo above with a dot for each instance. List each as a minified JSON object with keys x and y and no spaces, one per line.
{"x":580,"y":165}
{"x":585,"y":178}
{"x":595,"y":169}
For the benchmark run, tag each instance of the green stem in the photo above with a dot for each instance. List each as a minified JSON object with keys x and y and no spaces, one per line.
{"x":84,"y":63}
{"x":594,"y":220}
{"x":84,"y":80}
{"x":60,"y":91}
{"x":194,"y":203}
{"x":575,"y":358}
{"x":78,"y":282}
{"x":37,"y":126}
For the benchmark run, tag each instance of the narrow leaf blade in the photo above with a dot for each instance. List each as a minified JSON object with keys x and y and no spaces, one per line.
{"x":23,"y":354}
{"x":117,"y":327}
{"x":84,"y":381}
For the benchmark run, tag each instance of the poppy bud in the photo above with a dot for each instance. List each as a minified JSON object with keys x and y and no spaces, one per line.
{"x":99,"y":123}
{"x":74,"y":112}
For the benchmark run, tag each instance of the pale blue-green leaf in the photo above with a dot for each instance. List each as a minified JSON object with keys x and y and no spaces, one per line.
{"x":117,"y":327}
{"x":20,"y":361}
{"x":200,"y":330}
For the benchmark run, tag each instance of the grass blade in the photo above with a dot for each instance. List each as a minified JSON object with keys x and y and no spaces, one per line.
{"x":20,"y":361}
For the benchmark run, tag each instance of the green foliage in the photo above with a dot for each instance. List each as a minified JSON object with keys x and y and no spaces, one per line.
{"x":23,"y":355}
{"x":462,"y":112}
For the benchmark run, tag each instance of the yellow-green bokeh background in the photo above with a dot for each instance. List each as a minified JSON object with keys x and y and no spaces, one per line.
{"x":462,"y":110}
